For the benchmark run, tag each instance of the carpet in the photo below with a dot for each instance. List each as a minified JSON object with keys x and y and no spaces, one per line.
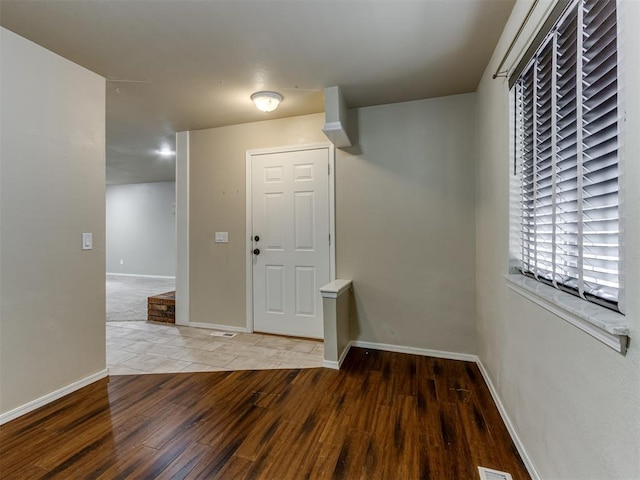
{"x":127,"y":296}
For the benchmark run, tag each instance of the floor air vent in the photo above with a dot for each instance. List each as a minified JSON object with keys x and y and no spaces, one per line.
{"x":223,"y":334}
{"x":489,"y":474}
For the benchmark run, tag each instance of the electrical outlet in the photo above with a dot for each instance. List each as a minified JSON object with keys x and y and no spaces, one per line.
{"x":122,"y":261}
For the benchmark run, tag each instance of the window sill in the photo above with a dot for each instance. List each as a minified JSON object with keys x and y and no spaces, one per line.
{"x":605,"y":325}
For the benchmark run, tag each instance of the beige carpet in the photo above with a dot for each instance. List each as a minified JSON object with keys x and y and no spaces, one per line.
{"x":127,"y":296}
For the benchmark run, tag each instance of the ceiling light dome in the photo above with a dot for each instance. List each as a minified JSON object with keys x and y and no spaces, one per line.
{"x":266,"y":101}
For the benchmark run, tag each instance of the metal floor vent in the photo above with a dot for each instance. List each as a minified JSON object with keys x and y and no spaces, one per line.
{"x":223,"y":334}
{"x":489,"y":474}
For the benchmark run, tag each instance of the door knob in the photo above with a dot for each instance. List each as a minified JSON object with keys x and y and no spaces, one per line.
{"x":256,"y":251}
{"x":256,"y":238}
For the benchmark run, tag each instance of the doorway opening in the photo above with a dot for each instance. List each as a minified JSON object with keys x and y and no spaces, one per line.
{"x":127,"y":296}
{"x":140,"y":247}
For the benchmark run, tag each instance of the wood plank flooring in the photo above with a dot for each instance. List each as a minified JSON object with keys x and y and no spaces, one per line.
{"x":384,"y":416}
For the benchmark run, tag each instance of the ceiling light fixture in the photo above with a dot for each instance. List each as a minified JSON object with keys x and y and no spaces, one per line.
{"x":165,"y":152}
{"x":266,"y":101}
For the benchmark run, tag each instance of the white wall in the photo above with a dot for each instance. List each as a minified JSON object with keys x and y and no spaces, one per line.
{"x":405,"y":209}
{"x":141,"y":229}
{"x":574,"y":402}
{"x":52,"y":188}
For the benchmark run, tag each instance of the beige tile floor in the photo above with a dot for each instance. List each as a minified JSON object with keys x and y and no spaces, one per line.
{"x":147,"y":347}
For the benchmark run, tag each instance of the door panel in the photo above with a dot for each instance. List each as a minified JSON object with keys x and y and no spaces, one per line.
{"x":305,"y":290}
{"x":274,"y":221}
{"x":304,"y":229}
{"x":290,"y":205}
{"x":274,"y":288}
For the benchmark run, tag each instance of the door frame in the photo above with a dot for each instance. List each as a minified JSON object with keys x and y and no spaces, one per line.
{"x":249,"y":215}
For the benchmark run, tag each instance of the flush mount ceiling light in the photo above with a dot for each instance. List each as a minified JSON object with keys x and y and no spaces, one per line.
{"x":266,"y":101}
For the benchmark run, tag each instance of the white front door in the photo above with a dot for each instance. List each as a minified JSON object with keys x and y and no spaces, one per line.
{"x":290,"y":232}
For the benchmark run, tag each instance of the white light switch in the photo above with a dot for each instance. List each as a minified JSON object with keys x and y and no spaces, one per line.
{"x":87,"y":241}
{"x":222,"y":237}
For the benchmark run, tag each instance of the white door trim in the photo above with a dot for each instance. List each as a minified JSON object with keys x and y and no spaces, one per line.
{"x":249,"y":215}
{"x":183,"y":165}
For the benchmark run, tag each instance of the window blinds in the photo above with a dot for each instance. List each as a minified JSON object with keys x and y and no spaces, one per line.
{"x":567,"y":149}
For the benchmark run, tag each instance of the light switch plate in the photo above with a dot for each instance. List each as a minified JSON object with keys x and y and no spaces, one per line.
{"x":222,"y":237}
{"x":87,"y":241}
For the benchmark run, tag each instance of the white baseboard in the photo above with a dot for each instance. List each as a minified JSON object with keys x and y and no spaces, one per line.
{"x":344,"y":354}
{"x":507,"y":421}
{"x":140,"y":276}
{"x":50,"y":397}
{"x":215,"y":326}
{"x":337,"y":365}
{"x":425,"y":352}
{"x":330,"y":364}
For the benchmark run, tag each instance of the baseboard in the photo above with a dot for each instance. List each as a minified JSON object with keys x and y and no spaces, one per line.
{"x":330,"y":364}
{"x":215,"y":326}
{"x":50,"y":397}
{"x":337,"y":365}
{"x":507,"y":421}
{"x":425,"y":352}
{"x":344,"y":354}
{"x":140,"y":276}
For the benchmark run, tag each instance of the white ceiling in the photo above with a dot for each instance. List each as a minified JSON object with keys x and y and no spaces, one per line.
{"x":176,"y":65}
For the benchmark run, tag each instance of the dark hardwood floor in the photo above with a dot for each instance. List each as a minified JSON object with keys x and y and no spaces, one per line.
{"x":384,"y":416}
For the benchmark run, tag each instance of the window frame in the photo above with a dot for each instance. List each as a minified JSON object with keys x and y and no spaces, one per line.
{"x":606,"y":325}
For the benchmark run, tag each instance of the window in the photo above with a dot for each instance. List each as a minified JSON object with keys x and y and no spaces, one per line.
{"x":566,"y":151}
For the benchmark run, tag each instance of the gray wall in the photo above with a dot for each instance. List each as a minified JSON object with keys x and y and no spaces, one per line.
{"x":573,"y":401}
{"x":141,"y":229}
{"x":405,"y":210}
{"x":52,"y":188}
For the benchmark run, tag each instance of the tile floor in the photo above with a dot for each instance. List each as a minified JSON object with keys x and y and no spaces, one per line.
{"x":147,"y":347}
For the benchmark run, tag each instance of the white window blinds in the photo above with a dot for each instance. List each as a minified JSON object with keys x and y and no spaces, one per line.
{"x":567,"y":153}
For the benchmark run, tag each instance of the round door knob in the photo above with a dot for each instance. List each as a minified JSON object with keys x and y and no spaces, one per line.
{"x":256,"y":251}
{"x":256,"y":238}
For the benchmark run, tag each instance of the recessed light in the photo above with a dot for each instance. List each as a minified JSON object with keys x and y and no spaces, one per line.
{"x":166,"y":152}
